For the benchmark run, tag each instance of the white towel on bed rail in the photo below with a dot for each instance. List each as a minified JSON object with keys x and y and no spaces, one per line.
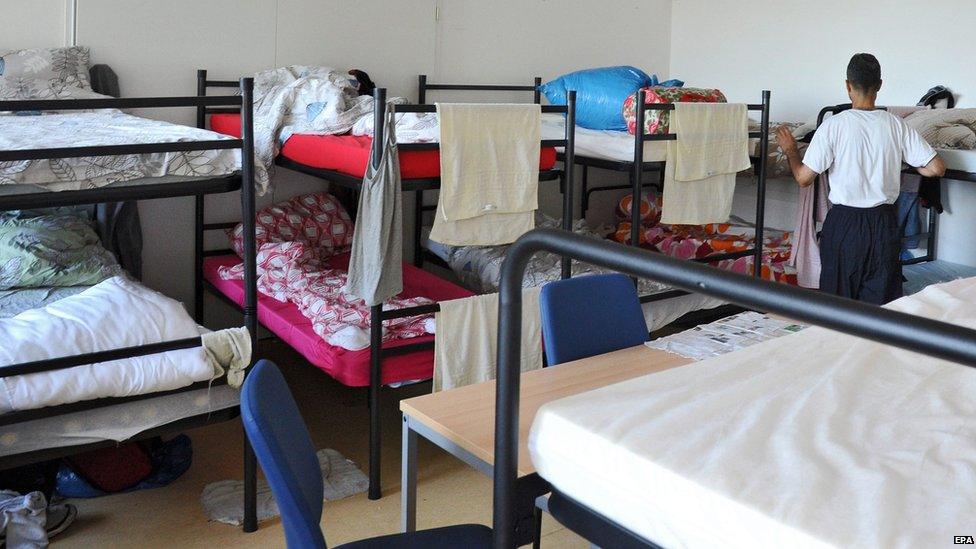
{"x":699,"y":176}
{"x":466,"y":339}
{"x":113,"y":314}
{"x":489,"y":159}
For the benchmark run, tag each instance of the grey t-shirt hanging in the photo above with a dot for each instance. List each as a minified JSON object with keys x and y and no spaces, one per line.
{"x":375,"y":269}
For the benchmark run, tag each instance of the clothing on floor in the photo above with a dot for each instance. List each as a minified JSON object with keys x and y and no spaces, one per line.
{"x":223,"y":501}
{"x":466,"y":342}
{"x":489,"y":155}
{"x":23,"y":519}
{"x":375,"y":266}
{"x":712,"y":145}
{"x":859,"y":250}
{"x":864,"y":151}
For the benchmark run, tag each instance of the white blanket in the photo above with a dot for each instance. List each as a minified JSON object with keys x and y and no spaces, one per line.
{"x":107,"y":127}
{"x":816,"y":439}
{"x":112,"y":314}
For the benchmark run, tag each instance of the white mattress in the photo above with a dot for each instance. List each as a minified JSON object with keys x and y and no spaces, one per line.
{"x":603,"y":144}
{"x":957,"y":159}
{"x":816,"y":439}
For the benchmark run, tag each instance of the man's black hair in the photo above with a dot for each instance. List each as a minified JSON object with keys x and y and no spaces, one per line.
{"x":864,"y":73}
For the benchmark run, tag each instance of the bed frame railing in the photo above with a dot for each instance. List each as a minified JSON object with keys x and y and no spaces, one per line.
{"x":641,"y":137}
{"x":930,"y":337}
{"x":424,"y":86}
{"x":243,"y":104}
{"x":378,"y":315}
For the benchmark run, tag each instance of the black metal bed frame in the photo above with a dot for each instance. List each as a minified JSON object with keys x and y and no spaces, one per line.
{"x":635,"y":169}
{"x":377,"y":314}
{"x":244,"y":181}
{"x":929,"y":337}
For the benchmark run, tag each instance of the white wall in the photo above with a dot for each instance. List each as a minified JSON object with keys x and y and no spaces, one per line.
{"x":32,"y":23}
{"x":156,"y":46}
{"x":800,"y":49}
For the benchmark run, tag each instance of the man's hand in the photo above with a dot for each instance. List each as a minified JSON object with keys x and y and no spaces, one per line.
{"x":785,"y":139}
{"x":801,"y":172}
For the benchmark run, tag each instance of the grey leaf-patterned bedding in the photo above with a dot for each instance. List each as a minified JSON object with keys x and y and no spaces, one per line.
{"x":480,"y":267}
{"x":105,"y":127}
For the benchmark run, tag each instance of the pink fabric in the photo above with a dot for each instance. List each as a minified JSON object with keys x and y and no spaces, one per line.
{"x":806,"y":250}
{"x":348,"y":367}
{"x":294,"y":272}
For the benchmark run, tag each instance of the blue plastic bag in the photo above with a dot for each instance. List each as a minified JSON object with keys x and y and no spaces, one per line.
{"x":600,"y":94}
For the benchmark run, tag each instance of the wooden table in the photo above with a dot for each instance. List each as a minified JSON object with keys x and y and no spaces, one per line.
{"x":462,"y":421}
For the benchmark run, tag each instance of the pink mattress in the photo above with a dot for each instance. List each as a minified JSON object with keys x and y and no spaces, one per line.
{"x":348,"y":367}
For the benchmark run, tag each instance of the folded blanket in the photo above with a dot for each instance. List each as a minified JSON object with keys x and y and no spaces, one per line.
{"x":946,"y":128}
{"x":113,"y":314}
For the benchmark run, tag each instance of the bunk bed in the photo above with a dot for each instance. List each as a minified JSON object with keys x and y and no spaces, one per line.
{"x":682,"y":492}
{"x":960,"y":166}
{"x":389,"y":362}
{"x":99,"y":136}
{"x":480,"y":267}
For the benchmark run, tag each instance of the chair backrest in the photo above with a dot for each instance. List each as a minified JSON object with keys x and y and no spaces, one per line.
{"x":590,"y":315}
{"x":286,"y":454}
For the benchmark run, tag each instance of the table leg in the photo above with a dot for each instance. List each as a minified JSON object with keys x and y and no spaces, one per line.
{"x":408,"y":479}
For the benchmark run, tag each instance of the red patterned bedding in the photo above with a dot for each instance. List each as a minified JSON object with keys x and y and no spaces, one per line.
{"x":697,"y":241}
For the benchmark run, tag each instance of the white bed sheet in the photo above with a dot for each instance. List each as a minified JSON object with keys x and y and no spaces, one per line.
{"x":602,"y":144}
{"x":107,"y":127}
{"x":816,"y":439}
{"x":959,"y":159}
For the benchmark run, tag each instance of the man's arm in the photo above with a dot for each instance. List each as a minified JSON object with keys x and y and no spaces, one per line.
{"x":801,"y":172}
{"x":935,"y":168}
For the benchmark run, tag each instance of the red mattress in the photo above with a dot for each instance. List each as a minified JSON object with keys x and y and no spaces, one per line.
{"x":348,"y":367}
{"x":349,"y":154}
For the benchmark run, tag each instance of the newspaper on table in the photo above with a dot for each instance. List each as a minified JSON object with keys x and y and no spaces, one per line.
{"x":726,"y":335}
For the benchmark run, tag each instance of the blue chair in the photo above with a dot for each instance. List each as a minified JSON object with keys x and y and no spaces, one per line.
{"x":284,"y":450}
{"x":590,"y":315}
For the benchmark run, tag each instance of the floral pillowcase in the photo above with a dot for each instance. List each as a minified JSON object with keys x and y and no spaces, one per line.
{"x":48,"y":73}
{"x":656,"y":121}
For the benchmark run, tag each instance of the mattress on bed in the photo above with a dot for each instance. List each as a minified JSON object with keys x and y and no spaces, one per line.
{"x":479,"y":268}
{"x":119,"y":422}
{"x":105,"y":127}
{"x":603,"y":144}
{"x":816,"y":439}
{"x":348,"y":367}
{"x":959,"y":159}
{"x":116,"y":313}
{"x":349,"y":154}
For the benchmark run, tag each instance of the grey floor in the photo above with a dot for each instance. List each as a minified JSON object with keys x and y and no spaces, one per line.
{"x":933,"y":272}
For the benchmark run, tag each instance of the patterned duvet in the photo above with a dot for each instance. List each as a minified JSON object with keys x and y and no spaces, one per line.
{"x":697,"y":241}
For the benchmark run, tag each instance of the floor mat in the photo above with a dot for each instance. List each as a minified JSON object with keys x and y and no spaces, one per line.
{"x":223,"y":501}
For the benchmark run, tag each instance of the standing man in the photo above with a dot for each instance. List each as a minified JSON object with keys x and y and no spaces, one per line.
{"x":863,"y":149}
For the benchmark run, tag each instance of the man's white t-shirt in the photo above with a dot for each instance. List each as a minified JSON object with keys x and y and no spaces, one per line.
{"x":864,"y":151}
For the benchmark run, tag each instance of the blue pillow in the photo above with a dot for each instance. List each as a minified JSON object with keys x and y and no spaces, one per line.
{"x":600,"y":94}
